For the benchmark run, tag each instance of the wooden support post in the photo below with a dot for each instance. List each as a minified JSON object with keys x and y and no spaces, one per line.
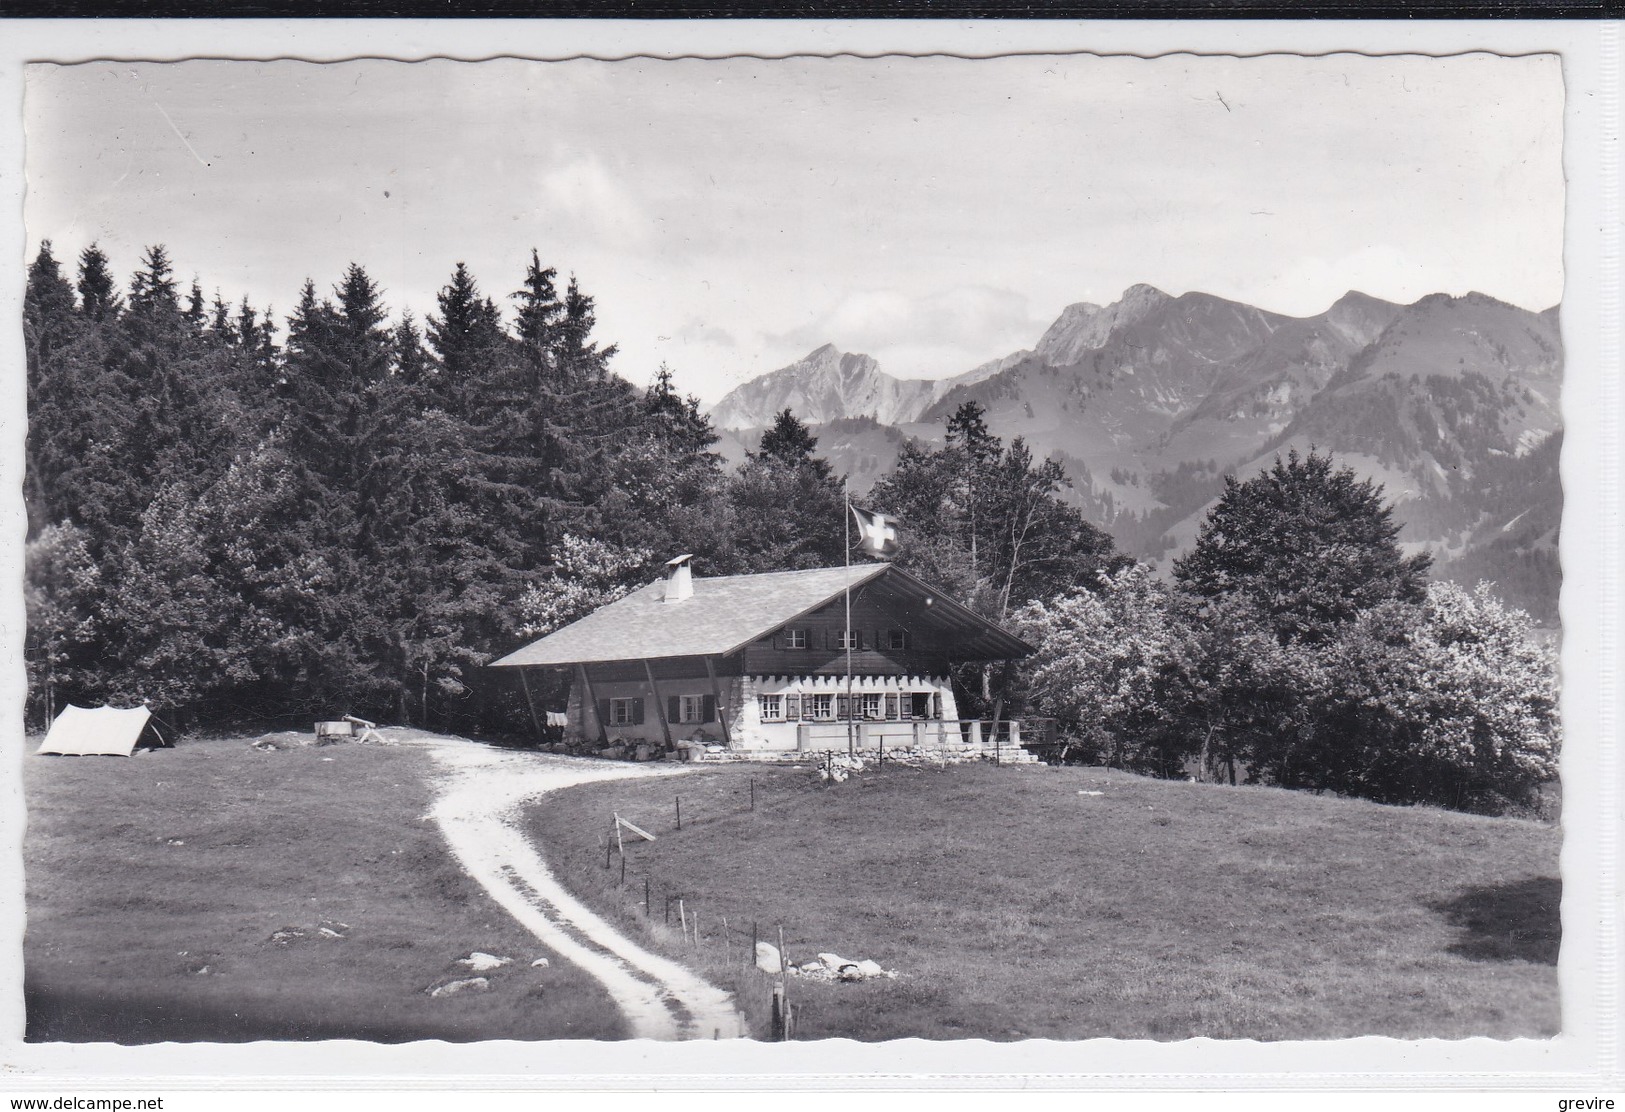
{"x":590,"y":698}
{"x":646,"y":912}
{"x":722,"y":712}
{"x":660,"y":706}
{"x":784,"y":983}
{"x":679,"y":800}
{"x":535,"y":721}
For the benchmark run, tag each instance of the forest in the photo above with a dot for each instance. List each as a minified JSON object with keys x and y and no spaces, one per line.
{"x":240,"y":525}
{"x":241,"y":520}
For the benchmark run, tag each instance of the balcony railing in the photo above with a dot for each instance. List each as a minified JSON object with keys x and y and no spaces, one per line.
{"x":967,"y":734}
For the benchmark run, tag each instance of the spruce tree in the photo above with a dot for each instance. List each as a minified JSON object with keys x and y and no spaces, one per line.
{"x":98,"y":293}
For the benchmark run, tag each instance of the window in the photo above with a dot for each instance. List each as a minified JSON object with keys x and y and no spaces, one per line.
{"x":772,"y":707}
{"x":897,"y":638}
{"x":692,"y":709}
{"x":874,"y":706}
{"x":818,"y":708}
{"x":624,"y":712}
{"x":795,"y":638}
{"x":848,"y":639}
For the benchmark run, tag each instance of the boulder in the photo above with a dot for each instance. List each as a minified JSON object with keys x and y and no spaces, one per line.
{"x":767,"y":958}
{"x":479,"y":961}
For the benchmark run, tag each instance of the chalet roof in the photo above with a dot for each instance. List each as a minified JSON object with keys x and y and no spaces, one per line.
{"x":728,"y":612}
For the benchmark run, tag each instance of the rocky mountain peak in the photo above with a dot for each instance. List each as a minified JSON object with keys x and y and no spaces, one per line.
{"x":824,"y":385}
{"x":1361,"y":318}
{"x":1083,"y":327}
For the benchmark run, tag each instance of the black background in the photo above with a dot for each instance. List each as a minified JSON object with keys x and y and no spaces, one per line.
{"x":817,"y":9}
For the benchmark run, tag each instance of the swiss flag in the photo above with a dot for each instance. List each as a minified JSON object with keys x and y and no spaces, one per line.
{"x":877,"y":536}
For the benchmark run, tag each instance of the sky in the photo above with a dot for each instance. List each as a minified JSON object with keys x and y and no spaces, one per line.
{"x":731,"y":215}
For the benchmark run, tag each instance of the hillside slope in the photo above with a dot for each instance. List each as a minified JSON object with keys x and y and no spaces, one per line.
{"x":1074,"y":903}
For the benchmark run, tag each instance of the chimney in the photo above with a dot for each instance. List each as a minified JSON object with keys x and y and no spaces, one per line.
{"x":679,"y":579}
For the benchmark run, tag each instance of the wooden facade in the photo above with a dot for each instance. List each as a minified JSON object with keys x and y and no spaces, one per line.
{"x":784,"y":686}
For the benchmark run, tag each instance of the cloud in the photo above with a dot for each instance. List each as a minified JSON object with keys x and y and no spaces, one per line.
{"x":585,"y":192}
{"x":929,"y":335}
{"x":696,"y":331}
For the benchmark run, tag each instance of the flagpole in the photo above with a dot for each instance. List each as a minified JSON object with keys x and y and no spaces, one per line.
{"x":851,"y":741}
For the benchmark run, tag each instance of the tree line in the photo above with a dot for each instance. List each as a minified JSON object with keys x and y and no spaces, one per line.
{"x":241,"y":524}
{"x":237,"y":522}
{"x":1296,"y":645}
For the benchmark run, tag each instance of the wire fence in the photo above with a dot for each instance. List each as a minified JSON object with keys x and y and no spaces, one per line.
{"x":671,"y":914}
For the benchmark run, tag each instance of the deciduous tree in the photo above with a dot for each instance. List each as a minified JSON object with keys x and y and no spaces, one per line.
{"x":1309,"y":545}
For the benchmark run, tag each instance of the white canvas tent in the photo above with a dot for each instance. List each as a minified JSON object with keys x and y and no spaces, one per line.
{"x":103,"y":731}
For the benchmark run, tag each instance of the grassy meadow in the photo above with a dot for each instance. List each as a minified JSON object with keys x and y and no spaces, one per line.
{"x":1012,"y":906}
{"x":158,"y":888}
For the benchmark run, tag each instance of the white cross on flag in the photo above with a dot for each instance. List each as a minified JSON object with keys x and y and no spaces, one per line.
{"x":877,"y":536}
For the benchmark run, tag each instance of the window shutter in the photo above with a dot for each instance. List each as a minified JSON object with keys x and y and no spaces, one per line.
{"x":864,"y":640}
{"x":891,"y":707}
{"x":792,"y":708}
{"x":603,"y":712}
{"x":674,"y":708}
{"x":829,"y":639}
{"x":843,"y":707}
{"x":778,"y":639}
{"x":709,"y":714}
{"x":637,"y":711}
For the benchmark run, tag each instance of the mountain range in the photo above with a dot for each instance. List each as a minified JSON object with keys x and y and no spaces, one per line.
{"x":1450,"y":402}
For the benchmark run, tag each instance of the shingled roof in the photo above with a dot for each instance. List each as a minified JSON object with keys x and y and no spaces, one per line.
{"x":728,"y":612}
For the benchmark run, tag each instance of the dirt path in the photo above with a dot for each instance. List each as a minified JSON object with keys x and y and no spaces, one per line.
{"x":478,"y":810}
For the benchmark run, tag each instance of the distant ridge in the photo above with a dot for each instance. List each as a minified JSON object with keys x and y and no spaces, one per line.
{"x":825,"y":385}
{"x":1450,"y":402}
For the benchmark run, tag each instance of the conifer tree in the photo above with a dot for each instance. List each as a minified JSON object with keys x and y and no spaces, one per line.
{"x":787,"y":509}
{"x":465,"y":337}
{"x":98,"y":292}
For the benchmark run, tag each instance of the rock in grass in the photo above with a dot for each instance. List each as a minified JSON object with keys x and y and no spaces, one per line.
{"x":451,"y":988}
{"x":480,"y":962}
{"x":767,"y":958}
